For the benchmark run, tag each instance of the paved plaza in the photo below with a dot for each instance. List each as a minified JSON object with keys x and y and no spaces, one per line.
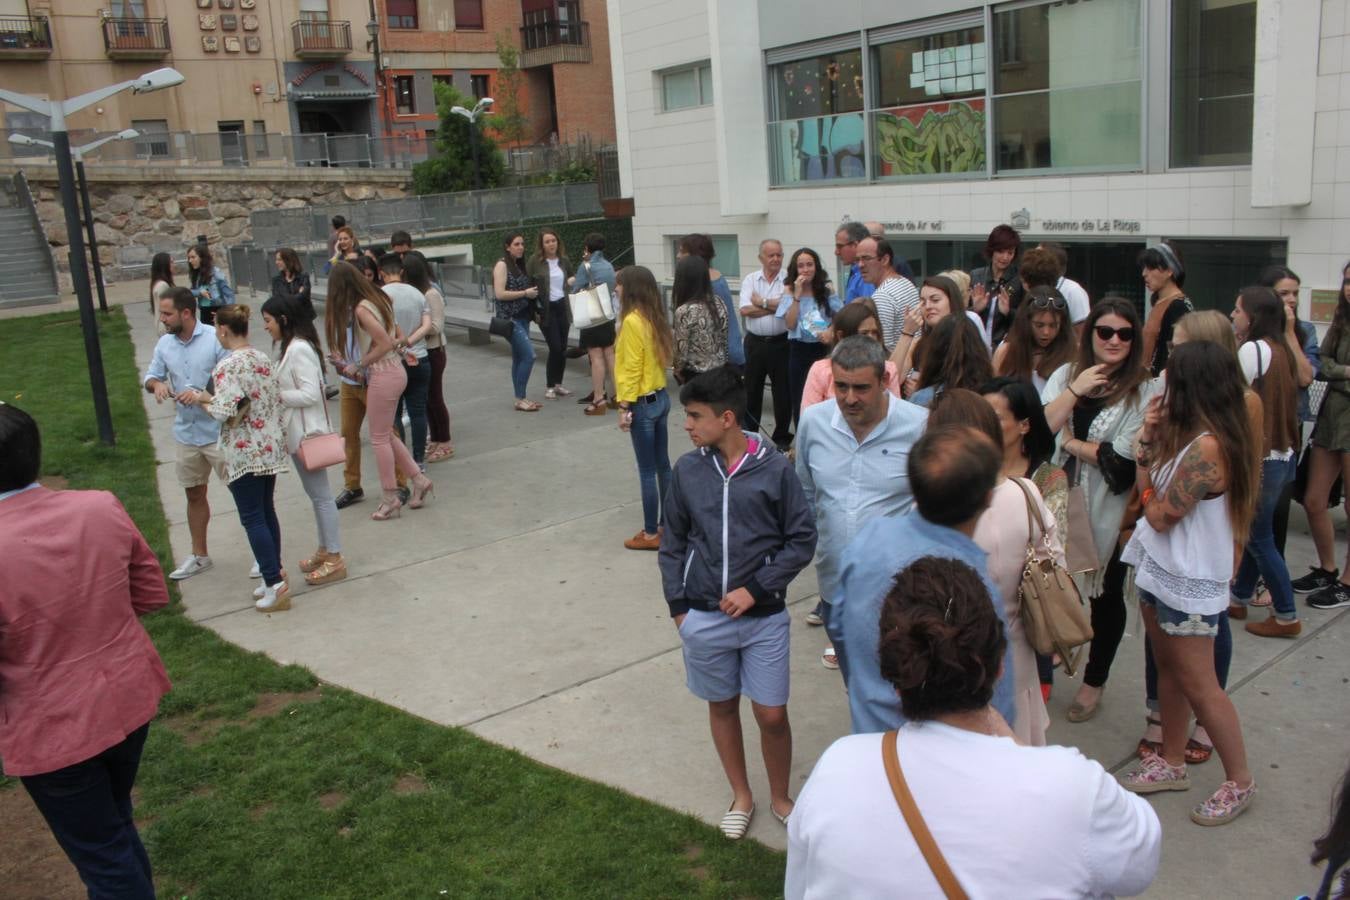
{"x":509,"y":607}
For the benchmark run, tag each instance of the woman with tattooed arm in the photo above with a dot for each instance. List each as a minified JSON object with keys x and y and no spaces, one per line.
{"x":1199,"y":482}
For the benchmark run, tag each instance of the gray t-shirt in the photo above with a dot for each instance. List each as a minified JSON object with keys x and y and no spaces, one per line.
{"x":409,"y":306}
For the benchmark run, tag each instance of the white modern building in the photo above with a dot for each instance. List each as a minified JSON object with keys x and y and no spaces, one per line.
{"x":1223,"y":125}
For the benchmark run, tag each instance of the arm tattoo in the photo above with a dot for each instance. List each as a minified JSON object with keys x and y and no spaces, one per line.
{"x":1193,"y":480}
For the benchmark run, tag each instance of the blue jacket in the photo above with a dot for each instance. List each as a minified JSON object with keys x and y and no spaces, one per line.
{"x":601,"y":271}
{"x":215,"y":292}
{"x":751,"y":529}
{"x":735,"y":346}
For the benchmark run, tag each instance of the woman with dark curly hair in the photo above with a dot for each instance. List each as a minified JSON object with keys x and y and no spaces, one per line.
{"x":1064,"y":827}
{"x":808,"y":310}
{"x":954,"y":357}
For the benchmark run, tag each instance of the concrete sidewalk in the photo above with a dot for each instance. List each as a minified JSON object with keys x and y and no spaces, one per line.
{"x":510,"y":607}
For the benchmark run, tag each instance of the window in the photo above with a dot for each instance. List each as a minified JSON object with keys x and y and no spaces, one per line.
{"x":478,"y":86}
{"x":469,"y":14}
{"x":403,"y":95}
{"x":154,"y":140}
{"x":447,"y":80}
{"x":1067,"y":87}
{"x":1213,"y":67}
{"x":929,"y":104}
{"x":402,"y":13}
{"x":313,"y":10}
{"x":686,"y":87}
{"x":815,"y":118}
{"x":726,"y":250}
{"x":260,"y":146}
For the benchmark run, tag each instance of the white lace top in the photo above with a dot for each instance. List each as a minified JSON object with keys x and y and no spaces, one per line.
{"x":1189,"y":565}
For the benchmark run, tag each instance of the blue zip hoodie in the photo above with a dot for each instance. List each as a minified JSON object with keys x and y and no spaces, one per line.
{"x":752,"y":529}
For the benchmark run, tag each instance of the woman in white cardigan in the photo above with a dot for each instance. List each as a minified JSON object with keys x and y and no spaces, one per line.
{"x":300,"y":377}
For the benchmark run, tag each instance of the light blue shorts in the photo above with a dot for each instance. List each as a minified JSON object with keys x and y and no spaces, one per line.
{"x":725,"y":657}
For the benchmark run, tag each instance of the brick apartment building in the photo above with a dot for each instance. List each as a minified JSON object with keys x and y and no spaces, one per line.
{"x":564,"y":62}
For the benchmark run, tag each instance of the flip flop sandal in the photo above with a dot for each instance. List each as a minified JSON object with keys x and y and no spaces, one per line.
{"x":736,"y":823}
{"x":1197,"y":752}
{"x":783,"y":819}
{"x":828,"y":659}
{"x":1148,"y":748}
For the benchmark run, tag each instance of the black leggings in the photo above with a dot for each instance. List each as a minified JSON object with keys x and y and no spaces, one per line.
{"x":555,"y":335}
{"x":1108,"y":623}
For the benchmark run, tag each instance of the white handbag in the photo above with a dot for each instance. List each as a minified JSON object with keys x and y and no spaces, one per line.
{"x":591,"y":306}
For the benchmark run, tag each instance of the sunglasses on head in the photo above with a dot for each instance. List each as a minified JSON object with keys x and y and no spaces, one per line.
{"x":1048,"y":303}
{"x":1106,"y":332}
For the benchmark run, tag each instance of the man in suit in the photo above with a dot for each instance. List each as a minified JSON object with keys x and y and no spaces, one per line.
{"x":81,"y":678}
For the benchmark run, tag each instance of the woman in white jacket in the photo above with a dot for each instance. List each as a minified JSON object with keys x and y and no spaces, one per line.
{"x":300,"y":377}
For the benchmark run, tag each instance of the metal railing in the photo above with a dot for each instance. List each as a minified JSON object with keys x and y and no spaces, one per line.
{"x":136,"y":35}
{"x":18,"y":33}
{"x":253,"y":267}
{"x":553,"y":33}
{"x":321,"y":37}
{"x":607,"y":173}
{"x":465,"y":211}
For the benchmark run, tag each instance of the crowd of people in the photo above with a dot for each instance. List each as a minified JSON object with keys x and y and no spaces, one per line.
{"x":929,"y":438}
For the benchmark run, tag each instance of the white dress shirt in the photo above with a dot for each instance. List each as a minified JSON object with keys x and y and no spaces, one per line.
{"x":756,"y":283}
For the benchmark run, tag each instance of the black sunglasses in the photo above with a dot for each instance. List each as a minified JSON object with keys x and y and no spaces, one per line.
{"x":1106,"y":332}
{"x":1048,"y":303}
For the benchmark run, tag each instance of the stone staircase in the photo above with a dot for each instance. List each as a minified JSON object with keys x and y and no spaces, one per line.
{"x":27,"y":267}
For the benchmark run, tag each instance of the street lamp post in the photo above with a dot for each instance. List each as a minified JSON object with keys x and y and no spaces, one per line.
{"x":57,"y":110}
{"x":83,"y":183}
{"x":481,"y":108}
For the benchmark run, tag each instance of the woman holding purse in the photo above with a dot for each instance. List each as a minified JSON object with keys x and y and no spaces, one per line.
{"x":290,"y":322}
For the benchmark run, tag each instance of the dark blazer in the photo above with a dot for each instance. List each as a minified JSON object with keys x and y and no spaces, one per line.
{"x":298,"y":290}
{"x":537,"y":268}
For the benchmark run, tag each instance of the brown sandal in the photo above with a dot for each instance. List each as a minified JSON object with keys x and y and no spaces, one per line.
{"x":527,"y":406}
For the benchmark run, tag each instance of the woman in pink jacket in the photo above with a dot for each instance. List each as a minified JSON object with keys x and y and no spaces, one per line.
{"x":79,"y":679}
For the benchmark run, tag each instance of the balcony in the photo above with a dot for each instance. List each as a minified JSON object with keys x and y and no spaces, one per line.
{"x":546,"y":43}
{"x":136,"y":38}
{"x":25,"y":37}
{"x":321,"y":39}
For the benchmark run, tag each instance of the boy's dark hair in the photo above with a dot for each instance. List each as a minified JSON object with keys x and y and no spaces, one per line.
{"x":400,"y":237}
{"x":339,"y":221}
{"x":183,"y":299}
{"x":390,"y":264}
{"x":952,"y":469}
{"x":20,"y":448}
{"x":595,"y":242}
{"x":722,"y":389}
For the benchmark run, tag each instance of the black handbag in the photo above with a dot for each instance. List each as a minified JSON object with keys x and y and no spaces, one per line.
{"x":501,"y":327}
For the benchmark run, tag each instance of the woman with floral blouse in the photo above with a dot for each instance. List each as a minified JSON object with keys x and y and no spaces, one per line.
{"x":701,"y":321}
{"x":246,"y":400}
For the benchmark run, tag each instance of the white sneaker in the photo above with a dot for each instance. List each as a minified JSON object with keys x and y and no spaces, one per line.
{"x":193,"y":565}
{"x":259,"y":591}
{"x":256,"y":571}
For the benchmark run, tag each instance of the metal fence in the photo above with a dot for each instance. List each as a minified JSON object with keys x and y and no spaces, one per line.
{"x":468,"y":210}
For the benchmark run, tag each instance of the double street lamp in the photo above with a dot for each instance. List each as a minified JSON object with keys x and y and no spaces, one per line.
{"x":57,"y":111}
{"x":127,"y":134}
{"x":481,"y":108}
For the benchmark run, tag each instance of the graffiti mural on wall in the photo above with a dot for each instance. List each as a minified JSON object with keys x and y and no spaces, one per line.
{"x":818,"y":149}
{"x":928,"y":140}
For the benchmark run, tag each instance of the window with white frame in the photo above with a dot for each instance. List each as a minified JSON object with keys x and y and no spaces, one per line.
{"x":1213,"y":81}
{"x":1067,"y":86}
{"x":816,"y":120}
{"x":686,"y":87}
{"x":726,"y":253}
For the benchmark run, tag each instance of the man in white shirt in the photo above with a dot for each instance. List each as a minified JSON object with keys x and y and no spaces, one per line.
{"x":1074,"y":293}
{"x":766,"y":347}
{"x":894,"y":295}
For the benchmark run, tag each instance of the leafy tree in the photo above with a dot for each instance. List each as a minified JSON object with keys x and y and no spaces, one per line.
{"x":451,"y":169}
{"x":507,"y":118}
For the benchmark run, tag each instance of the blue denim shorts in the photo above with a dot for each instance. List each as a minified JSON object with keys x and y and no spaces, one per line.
{"x":1176,"y":623}
{"x":725,"y":657}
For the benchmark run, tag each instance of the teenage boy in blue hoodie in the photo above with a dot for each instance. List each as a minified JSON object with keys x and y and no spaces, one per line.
{"x":738,"y":529}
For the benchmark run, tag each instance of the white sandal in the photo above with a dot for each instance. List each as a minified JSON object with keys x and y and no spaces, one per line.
{"x":736,"y":823}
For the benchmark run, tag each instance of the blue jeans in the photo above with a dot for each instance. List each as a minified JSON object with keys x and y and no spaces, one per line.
{"x":1223,"y":656}
{"x":415,"y":395}
{"x":522,"y":356}
{"x":88,"y":808}
{"x":253,"y":496}
{"x":648,"y":432}
{"x":1260,"y":556}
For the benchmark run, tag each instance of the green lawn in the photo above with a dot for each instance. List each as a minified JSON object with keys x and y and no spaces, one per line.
{"x":258,"y":781}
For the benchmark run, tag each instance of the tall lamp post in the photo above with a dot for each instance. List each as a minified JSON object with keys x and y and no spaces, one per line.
{"x":373,"y":45}
{"x":57,"y":110}
{"x":124,"y":135}
{"x":481,"y":108}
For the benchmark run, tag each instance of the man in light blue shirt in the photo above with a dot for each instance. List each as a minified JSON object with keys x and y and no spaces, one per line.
{"x":952,"y":472}
{"x":845,"y":249}
{"x":182,"y":364}
{"x":852,"y":459}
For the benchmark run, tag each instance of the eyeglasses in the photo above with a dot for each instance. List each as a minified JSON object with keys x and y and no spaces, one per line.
{"x":1106,"y":332}
{"x":861,"y":258}
{"x":1048,"y":303}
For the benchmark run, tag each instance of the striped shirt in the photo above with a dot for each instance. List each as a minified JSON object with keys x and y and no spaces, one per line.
{"x":850,"y":483}
{"x":893,"y":298}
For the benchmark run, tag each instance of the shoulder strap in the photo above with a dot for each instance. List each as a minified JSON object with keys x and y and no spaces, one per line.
{"x":914,"y":819}
{"x":1031,"y":506}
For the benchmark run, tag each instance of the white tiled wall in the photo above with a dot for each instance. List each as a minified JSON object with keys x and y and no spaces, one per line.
{"x":676,"y":191}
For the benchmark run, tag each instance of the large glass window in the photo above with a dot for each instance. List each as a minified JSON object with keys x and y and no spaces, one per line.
{"x":816,"y":121}
{"x":929,"y":104}
{"x":402,"y":13}
{"x":1067,"y":86}
{"x":1213,"y":65}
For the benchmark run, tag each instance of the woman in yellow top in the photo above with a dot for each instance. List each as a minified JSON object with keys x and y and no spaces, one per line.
{"x":643,"y":351}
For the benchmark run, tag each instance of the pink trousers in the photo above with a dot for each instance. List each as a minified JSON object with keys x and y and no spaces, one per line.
{"x":385,"y":383}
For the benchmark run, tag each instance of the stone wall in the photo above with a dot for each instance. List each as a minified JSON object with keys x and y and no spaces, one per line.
{"x":140,"y":211}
